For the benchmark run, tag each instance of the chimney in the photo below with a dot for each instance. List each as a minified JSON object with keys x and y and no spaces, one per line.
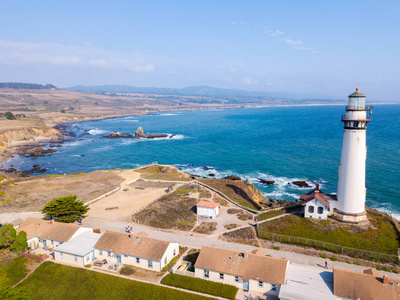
{"x":246,"y":254}
{"x":52,"y":222}
{"x":385,"y":280}
{"x":131,"y":235}
{"x":317,"y":187}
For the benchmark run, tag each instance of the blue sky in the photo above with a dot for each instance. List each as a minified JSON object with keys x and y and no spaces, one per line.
{"x":320,"y":47}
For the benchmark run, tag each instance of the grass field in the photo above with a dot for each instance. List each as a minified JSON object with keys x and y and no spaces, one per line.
{"x":201,"y":285}
{"x":12,"y":271}
{"x":381,"y":237}
{"x":54,"y":281}
{"x":270,"y":214}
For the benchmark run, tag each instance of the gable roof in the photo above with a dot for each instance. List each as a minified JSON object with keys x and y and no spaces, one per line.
{"x":17,"y":222}
{"x":80,"y":245}
{"x":47,"y":229}
{"x":207,"y":204}
{"x":257,"y":267}
{"x":136,"y":245}
{"x":316,"y":194}
{"x":353,"y":285}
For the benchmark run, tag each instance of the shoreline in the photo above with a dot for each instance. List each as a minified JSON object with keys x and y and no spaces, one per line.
{"x":12,"y":147}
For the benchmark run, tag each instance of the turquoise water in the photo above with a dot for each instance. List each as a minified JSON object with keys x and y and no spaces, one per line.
{"x":274,"y":143}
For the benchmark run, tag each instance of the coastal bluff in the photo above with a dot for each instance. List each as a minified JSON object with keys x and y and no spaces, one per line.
{"x":138,"y":134}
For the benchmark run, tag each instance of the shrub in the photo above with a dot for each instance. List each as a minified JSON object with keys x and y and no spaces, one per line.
{"x":322,"y":255}
{"x":201,"y":285}
{"x":357,"y":263}
{"x":277,"y":248}
{"x":333,"y":259}
{"x":10,"y":116}
{"x":171,"y":263}
{"x":127,"y":270}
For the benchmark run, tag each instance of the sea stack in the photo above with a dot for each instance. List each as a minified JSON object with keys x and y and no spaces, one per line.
{"x":351,"y":191}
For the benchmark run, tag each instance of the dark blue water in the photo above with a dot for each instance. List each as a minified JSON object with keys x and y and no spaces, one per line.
{"x":274,"y":143}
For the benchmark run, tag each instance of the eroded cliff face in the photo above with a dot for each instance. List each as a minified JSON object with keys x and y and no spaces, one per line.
{"x":253,"y":192}
{"x":32,"y":134}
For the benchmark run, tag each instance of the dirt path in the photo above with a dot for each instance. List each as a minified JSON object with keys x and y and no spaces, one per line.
{"x":32,"y":269}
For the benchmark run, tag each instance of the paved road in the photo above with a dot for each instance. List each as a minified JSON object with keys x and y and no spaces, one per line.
{"x":198,"y":240}
{"x":195,"y":240}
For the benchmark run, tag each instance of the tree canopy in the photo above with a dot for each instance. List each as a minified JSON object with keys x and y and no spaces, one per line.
{"x":10,"y":239}
{"x":65,"y":209}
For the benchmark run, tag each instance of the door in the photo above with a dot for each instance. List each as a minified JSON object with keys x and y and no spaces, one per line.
{"x":93,"y":256}
{"x":245,"y":285}
{"x":119,"y":258}
{"x":44,"y":244}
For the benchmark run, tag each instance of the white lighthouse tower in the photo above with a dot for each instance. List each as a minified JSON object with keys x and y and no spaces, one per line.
{"x":351,"y":191}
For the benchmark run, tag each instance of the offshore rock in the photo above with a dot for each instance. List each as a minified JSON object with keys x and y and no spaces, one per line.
{"x":267,"y":182}
{"x":138,"y":134}
{"x":301,"y":183}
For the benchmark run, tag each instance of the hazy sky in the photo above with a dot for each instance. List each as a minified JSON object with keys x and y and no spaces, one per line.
{"x":323,"y":47}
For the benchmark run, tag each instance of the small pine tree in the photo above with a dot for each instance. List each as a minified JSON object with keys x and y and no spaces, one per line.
{"x":10,"y":116}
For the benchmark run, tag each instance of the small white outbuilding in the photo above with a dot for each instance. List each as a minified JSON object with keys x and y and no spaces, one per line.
{"x":207,"y":209}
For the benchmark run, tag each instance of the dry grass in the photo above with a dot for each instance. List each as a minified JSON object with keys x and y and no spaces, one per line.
{"x":31,"y":194}
{"x":206,"y":227}
{"x":243,"y":236}
{"x":159,"y":172}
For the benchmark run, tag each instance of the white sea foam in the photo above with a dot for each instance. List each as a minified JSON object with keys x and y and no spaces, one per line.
{"x":280,"y":195}
{"x":168,"y":114}
{"x":129,"y":141}
{"x":96,"y":131}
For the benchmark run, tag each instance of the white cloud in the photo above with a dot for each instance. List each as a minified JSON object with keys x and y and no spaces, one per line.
{"x":249,"y":81}
{"x":294,"y":44}
{"x":24,"y":53}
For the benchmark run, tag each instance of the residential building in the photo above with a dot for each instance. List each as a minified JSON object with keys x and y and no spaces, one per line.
{"x":136,"y":250}
{"x":207,"y":209}
{"x":48,"y":233}
{"x":79,"y":250}
{"x":250,"y":271}
{"x":318,"y":205}
{"x":369,"y":285}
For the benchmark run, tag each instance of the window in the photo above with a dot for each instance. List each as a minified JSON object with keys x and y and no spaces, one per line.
{"x":311,"y":209}
{"x":126,"y":255}
{"x":320,"y":210}
{"x":174,"y":252}
{"x":100,"y":252}
{"x":52,"y":242}
{"x":109,"y":253}
{"x":206,"y":273}
{"x":61,"y":255}
{"x":76,"y":258}
{"x":137,"y":260}
{"x":221,"y":275}
{"x":274,"y":287}
{"x":150,"y":264}
{"x":260,"y":284}
{"x":236,"y":278}
{"x":165,"y":260}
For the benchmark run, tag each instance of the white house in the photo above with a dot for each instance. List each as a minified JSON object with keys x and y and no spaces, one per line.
{"x":136,"y":250}
{"x":207,"y":209}
{"x":79,"y":250}
{"x":317,"y":205}
{"x":250,"y":271}
{"x":51,"y":234}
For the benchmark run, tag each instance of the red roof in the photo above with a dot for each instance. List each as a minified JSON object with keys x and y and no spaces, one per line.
{"x":207,"y":204}
{"x":316,"y":194}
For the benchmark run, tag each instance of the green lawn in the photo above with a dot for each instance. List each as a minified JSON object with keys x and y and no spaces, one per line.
{"x":270,"y":214}
{"x":54,"y":281}
{"x":381,"y":237}
{"x":201,"y":285}
{"x":13,"y":271}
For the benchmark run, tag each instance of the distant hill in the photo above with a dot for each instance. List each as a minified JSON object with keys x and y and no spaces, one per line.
{"x":205,"y":91}
{"x":22,"y":85}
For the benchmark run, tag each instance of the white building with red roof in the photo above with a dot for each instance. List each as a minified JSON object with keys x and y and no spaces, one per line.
{"x":318,"y":205}
{"x":207,"y":209}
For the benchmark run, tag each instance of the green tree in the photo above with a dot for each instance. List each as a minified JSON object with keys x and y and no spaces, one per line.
{"x":10,"y":239}
{"x":65,"y":209}
{"x":10,"y":116}
{"x":10,"y":293}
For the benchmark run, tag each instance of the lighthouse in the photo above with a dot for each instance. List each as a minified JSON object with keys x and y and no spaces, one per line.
{"x":351,"y":191}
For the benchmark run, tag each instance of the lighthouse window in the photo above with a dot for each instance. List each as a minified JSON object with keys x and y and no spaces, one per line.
{"x":311,"y":209}
{"x":320,"y":210}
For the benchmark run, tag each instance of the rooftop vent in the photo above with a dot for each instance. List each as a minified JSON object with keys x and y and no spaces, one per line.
{"x":385,"y":280}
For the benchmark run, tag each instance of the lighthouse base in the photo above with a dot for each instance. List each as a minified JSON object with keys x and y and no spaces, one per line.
{"x":360,"y":219}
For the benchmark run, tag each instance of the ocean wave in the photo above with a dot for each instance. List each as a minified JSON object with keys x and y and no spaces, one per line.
{"x":285,"y":182}
{"x":203,"y":171}
{"x":168,"y":114}
{"x":280,"y":195}
{"x":96,"y":131}
{"x":129,"y":141}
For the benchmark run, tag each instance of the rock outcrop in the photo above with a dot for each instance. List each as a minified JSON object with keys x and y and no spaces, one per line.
{"x":301,"y":183}
{"x":233,"y":177}
{"x":267,"y":182}
{"x":35,"y":151}
{"x":139,"y":134}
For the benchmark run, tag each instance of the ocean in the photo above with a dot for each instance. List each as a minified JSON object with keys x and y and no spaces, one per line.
{"x":282,"y":144}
